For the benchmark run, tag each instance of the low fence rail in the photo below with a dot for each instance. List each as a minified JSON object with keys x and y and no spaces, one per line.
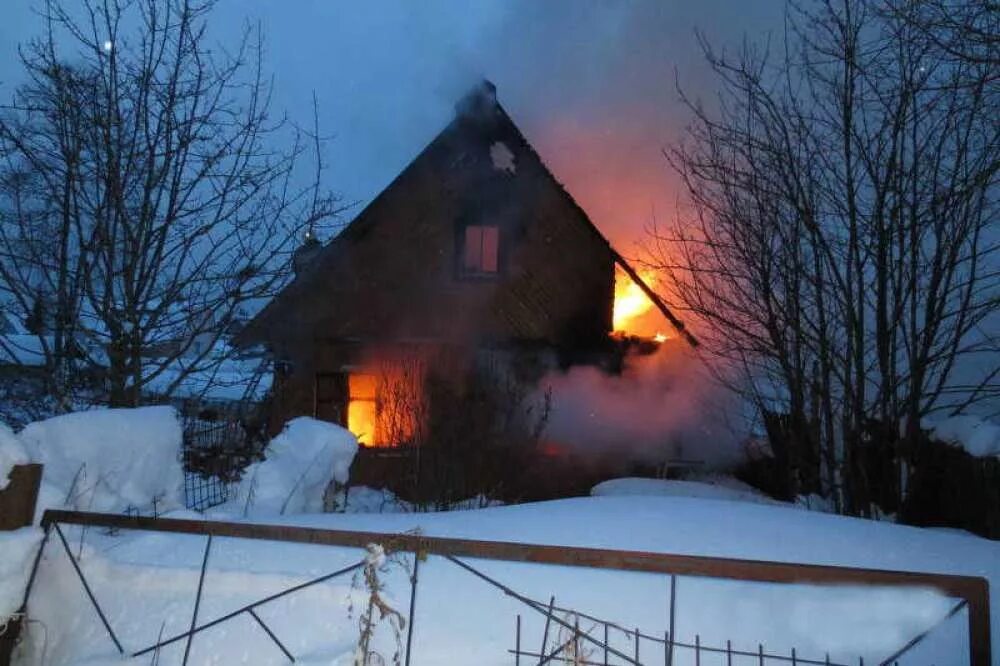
{"x":972,"y":592}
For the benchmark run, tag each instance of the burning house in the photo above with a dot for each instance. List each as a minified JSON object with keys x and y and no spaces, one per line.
{"x":473,"y":256}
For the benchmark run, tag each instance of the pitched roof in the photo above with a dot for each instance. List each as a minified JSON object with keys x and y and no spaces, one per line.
{"x":480,"y":102}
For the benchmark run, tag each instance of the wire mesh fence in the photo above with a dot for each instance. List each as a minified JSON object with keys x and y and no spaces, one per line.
{"x":218,"y":447}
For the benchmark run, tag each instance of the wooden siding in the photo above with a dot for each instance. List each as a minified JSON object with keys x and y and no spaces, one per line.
{"x":393,"y":272}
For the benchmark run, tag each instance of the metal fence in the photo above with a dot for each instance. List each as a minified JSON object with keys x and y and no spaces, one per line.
{"x":218,"y":447}
{"x":572,"y":628}
{"x":581,"y":647}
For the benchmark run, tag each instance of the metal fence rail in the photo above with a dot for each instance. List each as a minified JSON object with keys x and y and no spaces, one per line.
{"x":973,"y":591}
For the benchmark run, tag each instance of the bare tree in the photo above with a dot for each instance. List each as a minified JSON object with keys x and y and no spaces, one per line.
{"x":150,"y":198}
{"x":966,"y":30}
{"x":839,"y":245}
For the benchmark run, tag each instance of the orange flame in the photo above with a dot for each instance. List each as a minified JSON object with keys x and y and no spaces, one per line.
{"x":361,"y":407}
{"x":383,"y":401}
{"x":631,"y":304}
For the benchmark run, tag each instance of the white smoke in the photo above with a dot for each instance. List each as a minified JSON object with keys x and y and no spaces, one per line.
{"x":663,"y":406}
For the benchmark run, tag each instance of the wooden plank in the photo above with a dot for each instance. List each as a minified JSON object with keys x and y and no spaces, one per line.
{"x":17,"y":509}
{"x":17,"y":500}
{"x":973,"y":589}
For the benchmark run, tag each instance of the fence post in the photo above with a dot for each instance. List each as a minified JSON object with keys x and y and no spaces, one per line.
{"x":197,"y":600}
{"x":17,"y":510}
{"x":548,"y":619}
{"x":413,"y":606}
{"x":673,"y":605}
{"x":18,"y":499}
{"x":517,"y":641}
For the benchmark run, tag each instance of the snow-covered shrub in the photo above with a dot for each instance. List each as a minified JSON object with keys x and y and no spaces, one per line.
{"x":109,"y":459}
{"x":298,"y":466}
{"x":11,"y":453}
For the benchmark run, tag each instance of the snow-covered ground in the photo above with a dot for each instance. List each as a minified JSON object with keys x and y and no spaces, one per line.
{"x":224,"y":378}
{"x":147,"y":583}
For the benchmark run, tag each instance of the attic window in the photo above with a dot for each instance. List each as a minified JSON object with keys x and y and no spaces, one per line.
{"x":481,"y":250}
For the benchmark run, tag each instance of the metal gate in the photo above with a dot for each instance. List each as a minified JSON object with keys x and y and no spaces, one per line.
{"x":565,"y":629}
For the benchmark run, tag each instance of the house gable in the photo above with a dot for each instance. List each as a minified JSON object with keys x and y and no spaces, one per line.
{"x":397,"y":272}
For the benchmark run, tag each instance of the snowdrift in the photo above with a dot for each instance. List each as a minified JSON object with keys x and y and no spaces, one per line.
{"x":108,"y":459}
{"x":18,"y":548}
{"x":11,"y":453}
{"x":298,"y":466}
{"x":720,"y":488}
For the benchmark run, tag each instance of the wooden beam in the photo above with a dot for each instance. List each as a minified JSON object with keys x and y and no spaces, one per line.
{"x":973,"y":589}
{"x":17,"y":500}
{"x":655,"y":298}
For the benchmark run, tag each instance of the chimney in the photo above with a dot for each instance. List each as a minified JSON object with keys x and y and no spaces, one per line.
{"x":479,"y":103}
{"x":306,"y":253}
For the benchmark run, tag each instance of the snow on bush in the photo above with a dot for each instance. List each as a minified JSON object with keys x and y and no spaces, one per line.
{"x":109,"y":459}
{"x":11,"y":453}
{"x":298,"y":466}
{"x":977,"y":436}
{"x":18,"y":548}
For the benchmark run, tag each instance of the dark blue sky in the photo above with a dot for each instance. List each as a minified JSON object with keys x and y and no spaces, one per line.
{"x":591,"y":83}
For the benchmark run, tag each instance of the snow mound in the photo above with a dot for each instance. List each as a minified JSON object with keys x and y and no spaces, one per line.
{"x":11,"y":453}
{"x":298,"y":466}
{"x":977,"y":436}
{"x":18,"y":548}
{"x":109,"y":459}
{"x":731,"y":490}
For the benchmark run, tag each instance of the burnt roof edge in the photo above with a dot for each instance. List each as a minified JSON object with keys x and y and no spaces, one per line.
{"x":656,"y":300}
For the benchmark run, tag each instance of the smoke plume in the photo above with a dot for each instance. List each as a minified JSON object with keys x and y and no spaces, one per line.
{"x":663,"y":406}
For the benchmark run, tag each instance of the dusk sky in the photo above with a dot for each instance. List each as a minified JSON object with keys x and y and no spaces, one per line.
{"x":591,"y":84}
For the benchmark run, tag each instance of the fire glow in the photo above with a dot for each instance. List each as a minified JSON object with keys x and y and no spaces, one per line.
{"x":632,"y":304}
{"x":383,"y":402}
{"x":361,"y":407}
